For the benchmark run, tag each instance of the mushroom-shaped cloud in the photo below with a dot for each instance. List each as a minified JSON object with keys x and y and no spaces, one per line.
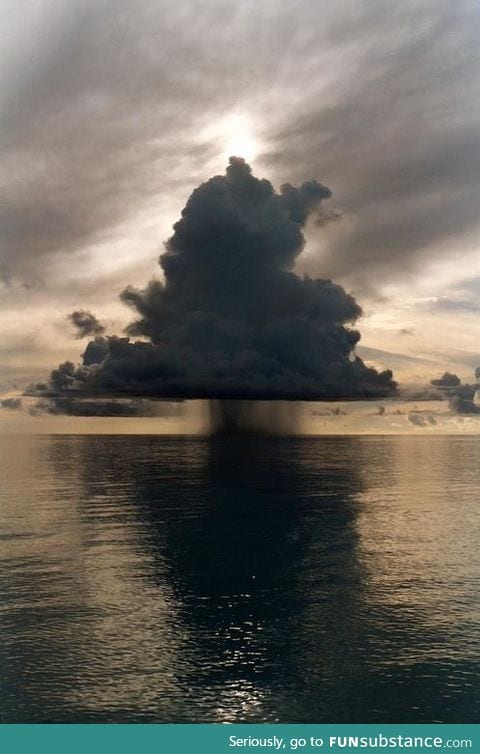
{"x":232,"y":319}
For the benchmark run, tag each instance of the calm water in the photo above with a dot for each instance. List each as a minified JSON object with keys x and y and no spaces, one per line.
{"x":293,"y":580}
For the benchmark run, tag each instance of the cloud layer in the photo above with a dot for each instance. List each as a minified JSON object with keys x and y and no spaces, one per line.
{"x":380,"y":98}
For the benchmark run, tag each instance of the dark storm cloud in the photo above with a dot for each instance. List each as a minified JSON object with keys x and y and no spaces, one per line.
{"x":461,"y":397}
{"x":379,"y":98}
{"x":63,"y":377}
{"x":446,"y":380}
{"x":57,"y":406}
{"x":85,"y":323}
{"x":232,"y":320}
{"x":462,"y":400}
{"x":14,"y":404}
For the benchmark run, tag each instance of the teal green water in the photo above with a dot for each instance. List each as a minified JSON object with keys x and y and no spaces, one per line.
{"x":153,"y":579}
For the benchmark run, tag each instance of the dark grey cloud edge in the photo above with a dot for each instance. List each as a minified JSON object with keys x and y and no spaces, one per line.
{"x":231,"y":319}
{"x":85,"y":323}
{"x":446,"y":380}
{"x":13,"y":404}
{"x":135,"y":408}
{"x":461,"y":398}
{"x":462,"y":401}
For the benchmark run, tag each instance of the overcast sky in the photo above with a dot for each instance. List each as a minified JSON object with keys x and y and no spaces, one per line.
{"x":112,"y":112}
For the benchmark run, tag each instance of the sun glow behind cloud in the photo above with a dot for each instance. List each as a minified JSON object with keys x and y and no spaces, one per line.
{"x":240,"y":141}
{"x":234,"y":136}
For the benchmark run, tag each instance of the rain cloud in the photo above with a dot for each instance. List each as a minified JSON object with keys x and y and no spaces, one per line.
{"x":232,"y":320}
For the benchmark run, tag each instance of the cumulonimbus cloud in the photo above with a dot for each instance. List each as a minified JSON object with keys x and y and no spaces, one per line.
{"x":232,"y":319}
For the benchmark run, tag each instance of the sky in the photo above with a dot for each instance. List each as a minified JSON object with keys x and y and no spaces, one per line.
{"x":112,"y":113}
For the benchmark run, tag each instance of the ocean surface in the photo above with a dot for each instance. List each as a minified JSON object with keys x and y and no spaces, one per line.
{"x":162,"y":579}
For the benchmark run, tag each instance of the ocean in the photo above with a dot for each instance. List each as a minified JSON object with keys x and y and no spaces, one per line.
{"x":240,"y":579}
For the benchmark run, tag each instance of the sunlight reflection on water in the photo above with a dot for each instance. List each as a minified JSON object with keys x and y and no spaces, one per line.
{"x":274,"y":579}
